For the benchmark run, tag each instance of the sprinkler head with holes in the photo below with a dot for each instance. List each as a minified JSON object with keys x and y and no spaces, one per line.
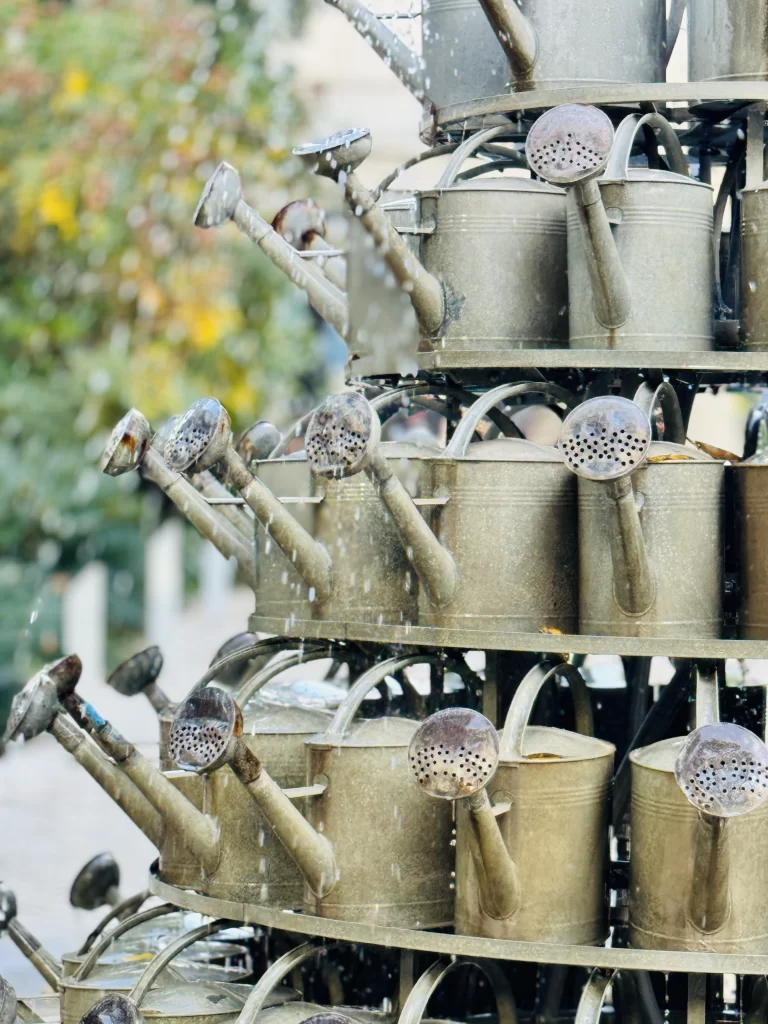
{"x":454,"y":753}
{"x":723,"y":770}
{"x":222,"y":192}
{"x":205,"y":732}
{"x":342,"y":436}
{"x":605,"y":439}
{"x":37,"y":704}
{"x":160,"y":438}
{"x":201,"y":437}
{"x":138,"y":674}
{"x":127,"y":444}
{"x":337,"y":155}
{"x":258,"y":442}
{"x":570,"y":144}
{"x":96,"y":884}
{"x":113,"y":1009}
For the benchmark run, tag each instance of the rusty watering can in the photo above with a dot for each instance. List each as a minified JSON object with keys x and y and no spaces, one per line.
{"x":302,"y":224}
{"x":535,"y":43}
{"x":550,"y":790}
{"x":38,"y":708}
{"x":256,"y":870}
{"x":727,"y":39}
{"x":466,"y":229}
{"x":650,"y":520}
{"x":357,"y":770}
{"x":698,"y":869}
{"x":129,"y":448}
{"x":629,"y":232}
{"x":451,"y":563}
{"x":188,"y":996}
{"x":222,"y":201}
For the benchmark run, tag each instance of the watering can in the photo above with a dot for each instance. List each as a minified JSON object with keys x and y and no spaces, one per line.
{"x":534,"y":43}
{"x":753,"y":219}
{"x":456,"y":588}
{"x":751,"y":483}
{"x":302,"y":224}
{"x":727,"y":39}
{"x":650,"y":520}
{"x":394,"y":867}
{"x":162,"y":989}
{"x":698,"y":870}
{"x":130,"y":448}
{"x":550,"y":792}
{"x":629,"y":232}
{"x":466,"y":229}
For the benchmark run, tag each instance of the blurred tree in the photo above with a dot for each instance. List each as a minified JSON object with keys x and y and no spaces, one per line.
{"x":112,"y":116}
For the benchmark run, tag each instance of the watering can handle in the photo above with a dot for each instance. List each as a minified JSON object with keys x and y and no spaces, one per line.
{"x":593,"y":996}
{"x":164,"y":957}
{"x":416,"y":1004}
{"x":758,"y":417}
{"x":511,"y":746}
{"x":268,"y":672}
{"x":132,"y":904}
{"x":372,"y":677}
{"x":274,"y":974}
{"x":90,"y":961}
{"x":650,"y":398}
{"x":465,"y":430}
{"x":465,"y":150}
{"x":391,"y":397}
{"x":617,"y":168}
{"x":275,"y":643}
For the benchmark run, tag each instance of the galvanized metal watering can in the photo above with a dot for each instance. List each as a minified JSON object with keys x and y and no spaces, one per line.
{"x":751,"y":482}
{"x":629,"y":232}
{"x":753,"y":226}
{"x":525,"y":45}
{"x":457,"y":589}
{"x":699,"y":824}
{"x":355,"y":770}
{"x":550,"y":793}
{"x":466,"y":229}
{"x":650,"y":521}
{"x":727,"y":39}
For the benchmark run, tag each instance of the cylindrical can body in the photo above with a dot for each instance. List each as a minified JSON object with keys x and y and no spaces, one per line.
{"x":511,"y":528}
{"x":727,"y":39}
{"x":681,"y":513}
{"x":556,"y":832}
{"x":391,"y":841}
{"x":754,"y":268}
{"x":663,"y":234}
{"x":517,"y":225}
{"x":664,"y":829}
{"x":752,"y":483}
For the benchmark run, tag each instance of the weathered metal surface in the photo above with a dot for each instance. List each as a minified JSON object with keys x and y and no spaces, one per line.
{"x":751,"y":481}
{"x":728,"y":364}
{"x":754,"y":260}
{"x":728,"y":39}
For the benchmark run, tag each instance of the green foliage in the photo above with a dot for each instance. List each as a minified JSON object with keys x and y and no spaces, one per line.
{"x":112,"y":116}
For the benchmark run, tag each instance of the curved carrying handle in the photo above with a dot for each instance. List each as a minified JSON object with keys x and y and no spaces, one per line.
{"x":91,"y":960}
{"x":128,"y":906}
{"x":650,"y":398}
{"x":418,"y":999}
{"x":266,"y":674}
{"x":617,"y":168}
{"x":270,"y":644}
{"x":758,"y":417}
{"x":468,"y":398}
{"x":466,"y":150}
{"x":274,"y":974}
{"x":593,"y":996}
{"x":511,"y":745}
{"x":466,"y":429}
{"x":164,"y":957}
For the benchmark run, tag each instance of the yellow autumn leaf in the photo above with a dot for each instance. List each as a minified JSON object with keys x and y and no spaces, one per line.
{"x":75,"y":84}
{"x":56,"y":208}
{"x":206,"y":325}
{"x":675,"y":457}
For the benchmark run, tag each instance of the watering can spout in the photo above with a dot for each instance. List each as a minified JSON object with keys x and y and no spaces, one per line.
{"x":47,"y":965}
{"x":709,"y":904}
{"x":500,"y":891}
{"x":516,"y":35}
{"x":634,"y":586}
{"x":222,"y":200}
{"x":407,"y":65}
{"x":611,"y":295}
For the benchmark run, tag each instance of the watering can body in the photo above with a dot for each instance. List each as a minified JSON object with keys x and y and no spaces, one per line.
{"x":751,"y":479}
{"x":254,"y":866}
{"x":662,"y":224}
{"x":681,"y":512}
{"x":754,"y":267}
{"x":661,"y":866}
{"x":391,"y":842}
{"x":510,"y":523}
{"x":727,"y":39}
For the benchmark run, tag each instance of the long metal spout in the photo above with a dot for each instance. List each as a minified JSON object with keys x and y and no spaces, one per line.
{"x":424,"y":289}
{"x":407,"y":65}
{"x":516,"y":35}
{"x":204,"y":517}
{"x":199,"y":833}
{"x":311,"y":559}
{"x":46,"y":964}
{"x":497,"y":874}
{"x":634,"y":587}
{"x":112,"y":779}
{"x":709,"y":904}
{"x":611,"y":295}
